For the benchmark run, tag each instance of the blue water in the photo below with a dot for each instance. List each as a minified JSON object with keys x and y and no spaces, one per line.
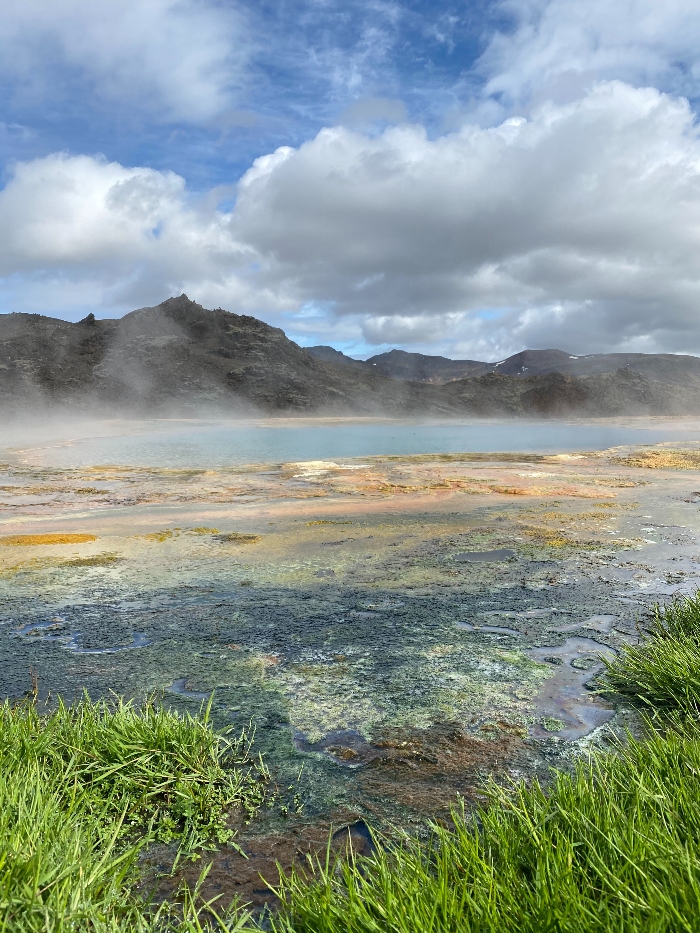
{"x":214,"y":445}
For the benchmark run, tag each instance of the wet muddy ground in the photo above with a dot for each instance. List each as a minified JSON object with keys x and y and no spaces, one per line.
{"x":396,"y":629}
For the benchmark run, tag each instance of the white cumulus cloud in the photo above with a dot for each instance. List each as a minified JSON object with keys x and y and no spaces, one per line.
{"x":559,"y":48}
{"x":579,"y":226}
{"x":580,"y":223}
{"x":173,"y":59}
{"x":77,"y":231}
{"x":575,"y":222}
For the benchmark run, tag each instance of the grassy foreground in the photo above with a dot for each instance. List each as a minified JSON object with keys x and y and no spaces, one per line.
{"x":84,"y":788}
{"x":613,"y":847}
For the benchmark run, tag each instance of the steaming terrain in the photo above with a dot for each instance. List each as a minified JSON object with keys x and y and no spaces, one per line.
{"x":179,"y":357}
{"x":395,"y":626}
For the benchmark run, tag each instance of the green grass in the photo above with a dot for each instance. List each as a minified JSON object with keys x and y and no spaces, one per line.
{"x":83,"y":789}
{"x":662,"y":672}
{"x":612,"y":848}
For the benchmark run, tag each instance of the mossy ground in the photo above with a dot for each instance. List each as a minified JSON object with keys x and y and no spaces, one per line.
{"x":612,"y":847}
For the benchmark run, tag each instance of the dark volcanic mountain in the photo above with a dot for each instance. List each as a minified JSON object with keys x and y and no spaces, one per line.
{"x":624,"y":392}
{"x":422,"y":368}
{"x":178,"y":357}
{"x":668,"y":368}
{"x":331,"y":355}
{"x":178,"y":353}
{"x":411,"y":367}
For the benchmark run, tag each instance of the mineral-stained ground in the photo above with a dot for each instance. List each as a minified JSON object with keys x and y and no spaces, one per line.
{"x":396,"y":629}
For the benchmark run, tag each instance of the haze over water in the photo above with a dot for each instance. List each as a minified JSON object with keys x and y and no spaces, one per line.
{"x":219,"y":444}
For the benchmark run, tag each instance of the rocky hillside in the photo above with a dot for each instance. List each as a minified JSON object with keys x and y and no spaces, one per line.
{"x":178,"y":356}
{"x":413,"y":367}
{"x":331,"y":355}
{"x":557,"y":395}
{"x":667,"y":368}
{"x":417,"y":366}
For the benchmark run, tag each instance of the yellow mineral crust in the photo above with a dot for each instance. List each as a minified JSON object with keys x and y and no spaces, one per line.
{"x":660,"y":459}
{"x":31,"y":540}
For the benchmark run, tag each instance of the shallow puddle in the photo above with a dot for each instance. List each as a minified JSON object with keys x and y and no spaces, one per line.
{"x":475,"y":557}
{"x":564,"y":706}
{"x":346,"y":746}
{"x":139,"y":640}
{"x":488,"y":629}
{"x":600,"y":623}
{"x":31,"y":627}
{"x":180,"y":688}
{"x":54,"y":631}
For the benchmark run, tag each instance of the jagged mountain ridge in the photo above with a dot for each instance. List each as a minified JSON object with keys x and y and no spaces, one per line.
{"x":178,"y":356}
{"x":176,"y":353}
{"x":419,"y":367}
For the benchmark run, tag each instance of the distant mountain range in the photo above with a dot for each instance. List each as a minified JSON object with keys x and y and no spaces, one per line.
{"x":417,"y":367}
{"x":178,"y":357}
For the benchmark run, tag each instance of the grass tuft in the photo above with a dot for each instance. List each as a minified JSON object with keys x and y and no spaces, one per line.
{"x":84,"y":788}
{"x":662,"y":672}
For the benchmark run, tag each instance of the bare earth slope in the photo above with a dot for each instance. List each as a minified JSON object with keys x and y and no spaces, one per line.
{"x":178,"y":356}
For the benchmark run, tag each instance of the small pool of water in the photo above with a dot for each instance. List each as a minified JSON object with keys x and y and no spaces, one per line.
{"x":181,"y":687}
{"x":220,"y":444}
{"x":475,"y":557}
{"x":488,"y":629}
{"x":565,"y":707}
{"x":56,"y":631}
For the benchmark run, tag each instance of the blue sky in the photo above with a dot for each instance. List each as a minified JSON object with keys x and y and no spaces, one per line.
{"x":464,"y":178}
{"x":305,"y":65}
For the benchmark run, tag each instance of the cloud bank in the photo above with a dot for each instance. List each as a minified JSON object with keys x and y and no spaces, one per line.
{"x":572,"y":222}
{"x":559,"y":48}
